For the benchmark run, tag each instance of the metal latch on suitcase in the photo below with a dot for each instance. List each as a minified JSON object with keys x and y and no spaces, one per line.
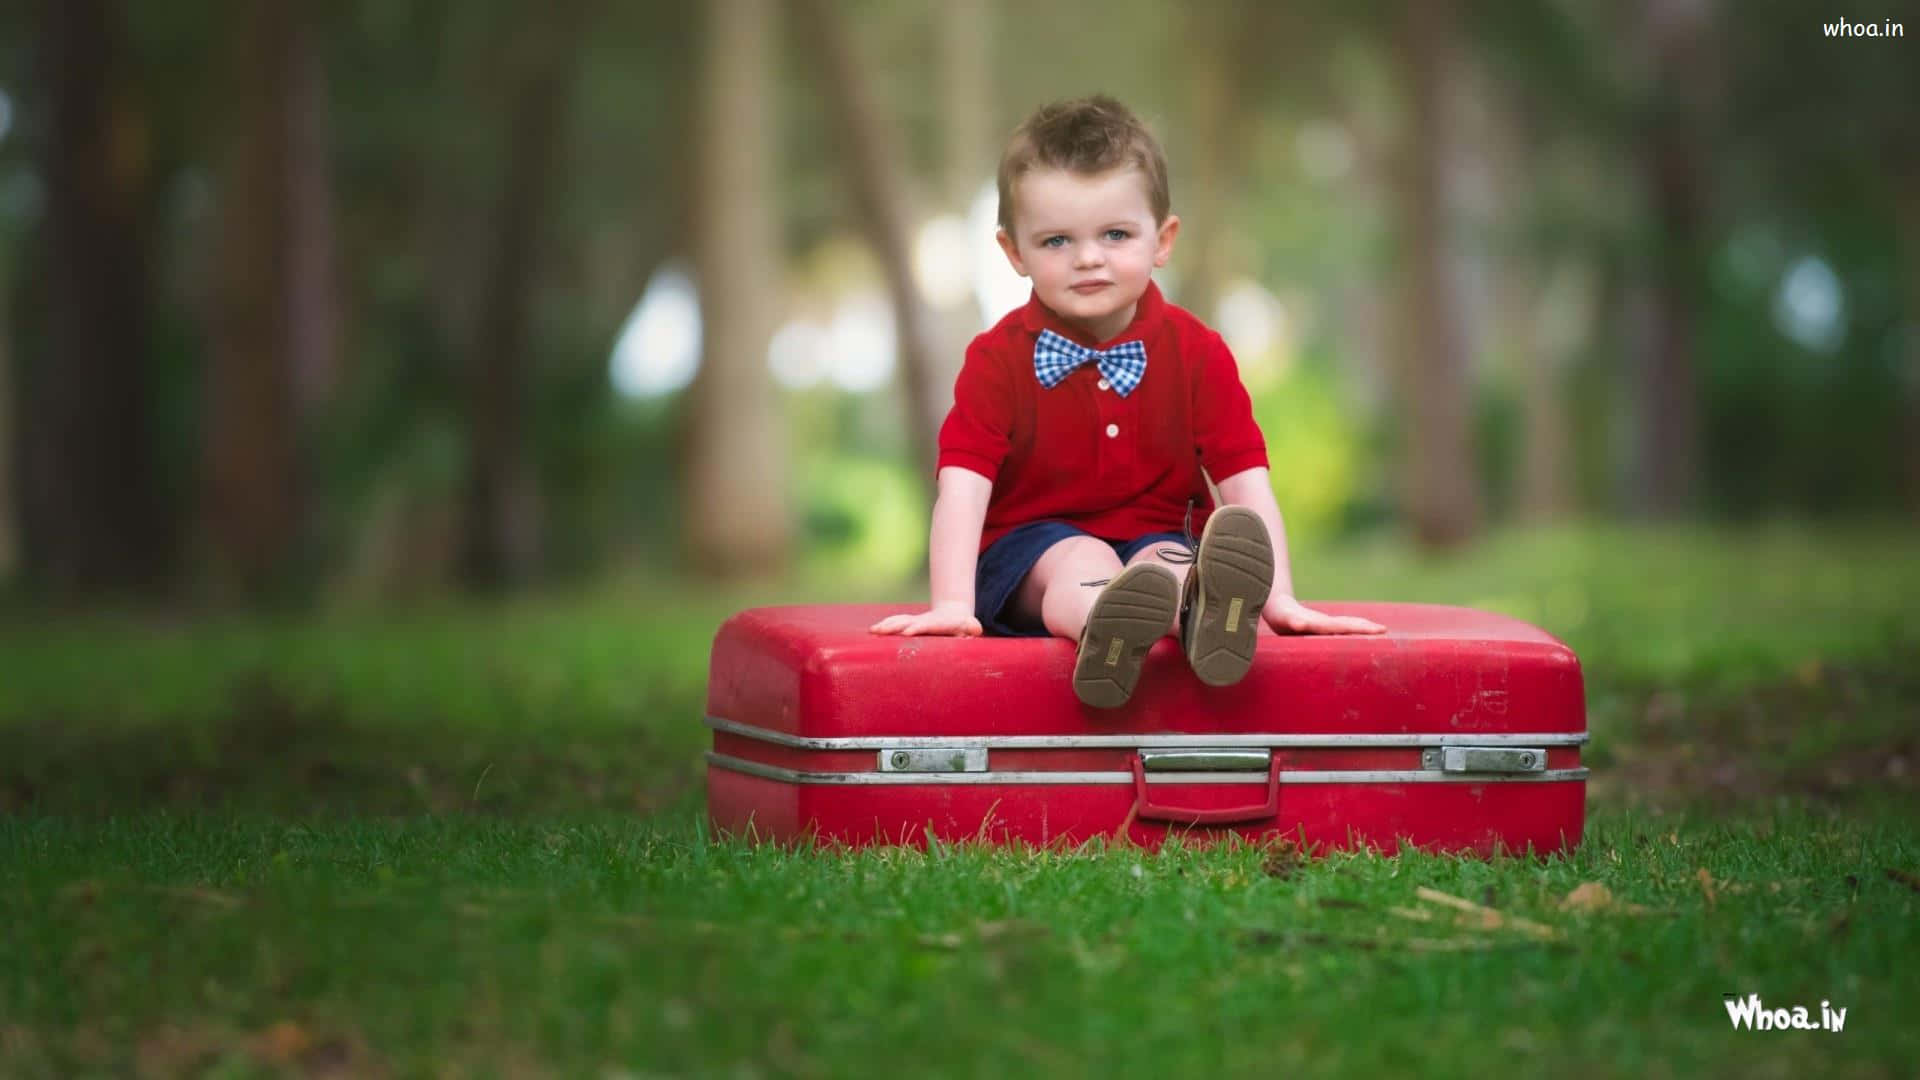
{"x":933,"y":759}
{"x":1487,"y":759}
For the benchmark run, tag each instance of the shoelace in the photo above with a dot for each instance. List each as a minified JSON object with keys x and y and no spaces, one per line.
{"x":1170,"y":554}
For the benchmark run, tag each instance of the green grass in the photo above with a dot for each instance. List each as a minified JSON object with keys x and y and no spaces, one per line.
{"x":467,"y":840}
{"x":587,"y":945}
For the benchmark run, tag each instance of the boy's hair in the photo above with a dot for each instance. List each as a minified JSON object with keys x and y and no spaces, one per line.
{"x":1086,"y":136}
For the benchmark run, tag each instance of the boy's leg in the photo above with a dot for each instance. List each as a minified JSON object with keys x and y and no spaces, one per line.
{"x":1052,"y":591}
{"x":1114,"y":622}
{"x":1232,"y":576}
{"x":1151,"y":554}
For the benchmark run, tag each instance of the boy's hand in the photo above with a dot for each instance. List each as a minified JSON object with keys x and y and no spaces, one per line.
{"x":1285,"y":615}
{"x":950,"y":619}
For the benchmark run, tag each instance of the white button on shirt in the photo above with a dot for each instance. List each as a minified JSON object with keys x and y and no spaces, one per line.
{"x":1112,"y":430}
{"x":1105,"y":385}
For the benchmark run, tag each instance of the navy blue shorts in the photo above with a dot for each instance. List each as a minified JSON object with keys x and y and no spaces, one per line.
{"x":1005,"y":563}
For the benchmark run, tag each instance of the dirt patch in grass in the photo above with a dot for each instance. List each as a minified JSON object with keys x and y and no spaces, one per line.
{"x":1834,"y":735}
{"x":268,"y":749}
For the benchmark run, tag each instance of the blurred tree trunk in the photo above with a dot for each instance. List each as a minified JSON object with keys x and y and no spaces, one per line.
{"x":1202,"y":202}
{"x":968,"y":156}
{"x":1217,"y":128}
{"x":1674,"y":170}
{"x":1545,"y":446}
{"x":275,"y":326}
{"x":738,"y":521}
{"x":1530,"y":301}
{"x":92,"y":514}
{"x":314,"y":312}
{"x":502,"y":522}
{"x":1437,"y":474}
{"x":1907,"y":209}
{"x":9,"y":540}
{"x":876,"y":176}
{"x":1235,"y":50}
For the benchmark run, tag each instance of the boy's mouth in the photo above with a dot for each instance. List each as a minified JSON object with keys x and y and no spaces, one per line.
{"x":1087,"y":287}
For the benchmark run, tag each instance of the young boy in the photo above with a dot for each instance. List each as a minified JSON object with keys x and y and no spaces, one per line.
{"x":1072,"y":460}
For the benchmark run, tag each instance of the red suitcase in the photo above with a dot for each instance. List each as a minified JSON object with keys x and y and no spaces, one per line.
{"x":1456,"y":730}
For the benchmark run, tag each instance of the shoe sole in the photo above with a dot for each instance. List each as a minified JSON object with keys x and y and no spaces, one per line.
{"x":1233,"y":572}
{"x":1135,"y":610}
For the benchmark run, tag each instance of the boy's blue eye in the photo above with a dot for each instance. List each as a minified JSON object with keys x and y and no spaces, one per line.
{"x":1117,"y":235}
{"x":1053,"y":241}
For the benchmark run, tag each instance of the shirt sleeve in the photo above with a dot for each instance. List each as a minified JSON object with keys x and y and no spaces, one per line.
{"x":976,"y":435}
{"x":1224,"y":431}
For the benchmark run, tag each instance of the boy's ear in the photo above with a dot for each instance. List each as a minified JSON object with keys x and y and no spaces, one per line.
{"x":1013,"y":251}
{"x":1163,"y":249}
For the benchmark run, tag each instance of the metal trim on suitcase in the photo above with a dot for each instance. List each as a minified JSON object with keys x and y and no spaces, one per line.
{"x":1207,"y":759}
{"x":1290,"y":776}
{"x":1128,"y":742}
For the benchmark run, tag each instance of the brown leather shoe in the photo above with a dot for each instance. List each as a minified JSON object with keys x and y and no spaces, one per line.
{"x":1130,"y":614}
{"x":1226,"y":592}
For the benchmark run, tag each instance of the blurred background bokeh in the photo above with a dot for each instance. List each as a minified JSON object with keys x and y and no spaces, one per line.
{"x":355,"y":303}
{"x":397,"y":395}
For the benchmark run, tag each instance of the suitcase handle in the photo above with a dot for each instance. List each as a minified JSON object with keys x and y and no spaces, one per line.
{"x":1147,"y":810}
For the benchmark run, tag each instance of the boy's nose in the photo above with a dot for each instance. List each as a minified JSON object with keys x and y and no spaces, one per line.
{"x":1087,"y":256}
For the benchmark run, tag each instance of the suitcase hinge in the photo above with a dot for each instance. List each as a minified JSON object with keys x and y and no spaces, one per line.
{"x":1491,"y":759}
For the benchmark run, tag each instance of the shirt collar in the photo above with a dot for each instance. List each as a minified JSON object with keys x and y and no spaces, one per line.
{"x":1147,"y":314}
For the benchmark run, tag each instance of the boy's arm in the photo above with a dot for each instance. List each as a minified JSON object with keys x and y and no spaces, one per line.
{"x":953,"y":547}
{"x":1251,"y":489}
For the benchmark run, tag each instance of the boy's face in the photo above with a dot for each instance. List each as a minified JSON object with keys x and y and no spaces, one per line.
{"x":1089,"y":242}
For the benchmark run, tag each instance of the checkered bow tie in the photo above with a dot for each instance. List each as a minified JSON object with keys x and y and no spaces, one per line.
{"x":1054,"y":358}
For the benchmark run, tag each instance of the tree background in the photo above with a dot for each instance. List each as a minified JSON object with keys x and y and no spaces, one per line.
{"x":357,"y":303}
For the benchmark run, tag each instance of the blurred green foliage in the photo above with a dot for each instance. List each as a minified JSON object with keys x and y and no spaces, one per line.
{"x":173,"y":944}
{"x":866,"y":518}
{"x":1315,"y":449}
{"x":1802,"y":158}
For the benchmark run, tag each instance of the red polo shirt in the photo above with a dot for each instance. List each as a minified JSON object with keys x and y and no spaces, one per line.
{"x":1116,"y":467}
